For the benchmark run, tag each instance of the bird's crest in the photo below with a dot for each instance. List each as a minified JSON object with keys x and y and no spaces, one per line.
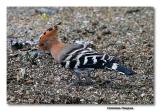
{"x":47,"y":36}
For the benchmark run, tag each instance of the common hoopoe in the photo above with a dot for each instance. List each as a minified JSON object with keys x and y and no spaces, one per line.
{"x":78,"y":56}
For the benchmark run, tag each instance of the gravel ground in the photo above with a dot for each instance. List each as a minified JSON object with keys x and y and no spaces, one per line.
{"x":127,"y":33}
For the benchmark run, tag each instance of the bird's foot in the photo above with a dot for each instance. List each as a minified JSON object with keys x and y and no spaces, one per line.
{"x":90,"y":82}
{"x":75,"y":83}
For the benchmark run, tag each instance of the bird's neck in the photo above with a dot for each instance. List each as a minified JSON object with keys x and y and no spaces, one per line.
{"x":56,"y":48}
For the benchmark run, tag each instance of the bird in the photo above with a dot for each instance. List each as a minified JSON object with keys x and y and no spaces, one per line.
{"x":79,"y":56}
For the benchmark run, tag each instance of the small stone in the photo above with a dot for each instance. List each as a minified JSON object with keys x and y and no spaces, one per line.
{"x":29,"y":82}
{"x":21,"y":73}
{"x":95,"y":102}
{"x":106,"y":32}
{"x":89,"y":88}
{"x":27,"y":92}
{"x":142,"y":95}
{"x":12,"y":99}
{"x":82,"y":100}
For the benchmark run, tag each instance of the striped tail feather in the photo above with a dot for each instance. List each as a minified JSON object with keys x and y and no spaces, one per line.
{"x":122,"y":69}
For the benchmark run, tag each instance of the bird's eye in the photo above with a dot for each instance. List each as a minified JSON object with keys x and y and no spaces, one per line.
{"x":50,"y":29}
{"x":41,"y":44}
{"x":44,"y":33}
{"x":40,"y":37}
{"x":56,"y":28}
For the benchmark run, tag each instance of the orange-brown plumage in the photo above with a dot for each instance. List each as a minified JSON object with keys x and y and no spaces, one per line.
{"x":50,"y":41}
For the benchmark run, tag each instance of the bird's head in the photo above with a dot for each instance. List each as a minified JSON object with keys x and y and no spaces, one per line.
{"x":48,"y":38}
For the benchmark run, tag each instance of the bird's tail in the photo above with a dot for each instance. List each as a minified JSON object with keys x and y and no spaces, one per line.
{"x":122,"y":69}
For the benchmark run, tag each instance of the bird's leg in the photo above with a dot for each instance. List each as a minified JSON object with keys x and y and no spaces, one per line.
{"x":78,"y":78}
{"x":88,"y":76}
{"x":78,"y":74}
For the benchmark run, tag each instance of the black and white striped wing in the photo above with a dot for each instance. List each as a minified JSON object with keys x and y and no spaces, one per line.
{"x":89,"y":58}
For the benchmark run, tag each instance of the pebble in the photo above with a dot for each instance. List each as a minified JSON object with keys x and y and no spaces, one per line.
{"x":143,"y":94}
{"x":21,"y":74}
